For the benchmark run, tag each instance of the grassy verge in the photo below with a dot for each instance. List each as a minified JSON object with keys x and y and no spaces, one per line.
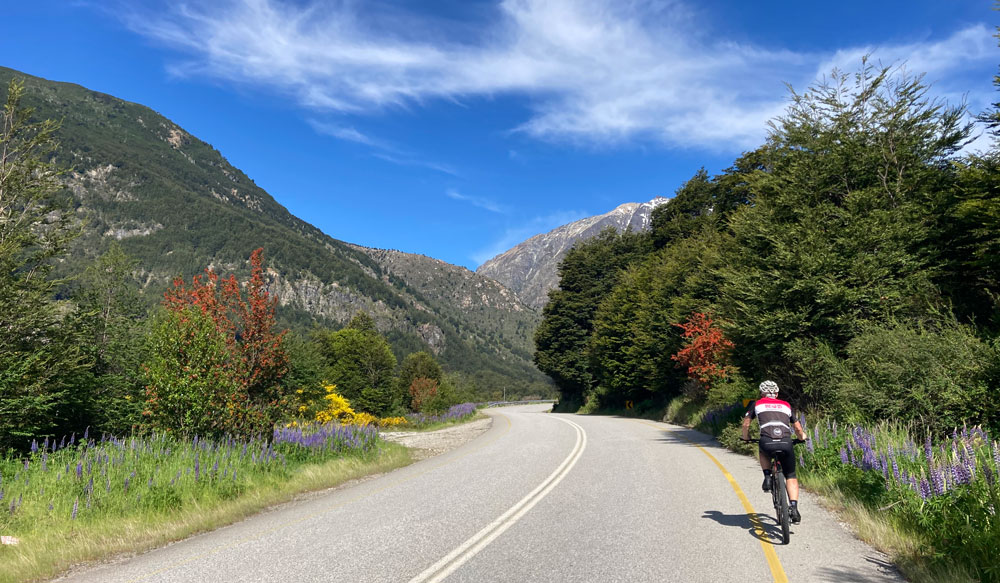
{"x":931,"y":506}
{"x":56,"y":529}
{"x":436,"y":425}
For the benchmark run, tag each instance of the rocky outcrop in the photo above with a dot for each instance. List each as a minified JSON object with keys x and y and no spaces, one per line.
{"x":531,"y":268}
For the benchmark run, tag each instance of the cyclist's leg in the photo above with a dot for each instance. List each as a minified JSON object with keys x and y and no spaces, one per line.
{"x":764,"y":458}
{"x":787,"y":454}
{"x":765,"y":465}
{"x":792,"y":484}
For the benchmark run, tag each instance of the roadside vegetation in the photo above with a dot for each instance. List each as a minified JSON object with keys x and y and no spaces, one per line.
{"x":853,"y":258}
{"x":122,"y":427}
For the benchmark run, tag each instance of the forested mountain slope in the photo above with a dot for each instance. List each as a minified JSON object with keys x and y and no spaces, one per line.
{"x":178,"y":206}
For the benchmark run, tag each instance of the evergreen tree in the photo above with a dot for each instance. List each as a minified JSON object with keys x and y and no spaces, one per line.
{"x":838,"y":232}
{"x":587,"y":274}
{"x":109,"y":319}
{"x":362,"y":365}
{"x":38,"y":354}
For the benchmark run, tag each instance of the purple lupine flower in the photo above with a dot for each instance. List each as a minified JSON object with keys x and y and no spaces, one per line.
{"x":802,"y":460}
{"x":987,"y":473}
{"x":34,"y":446}
{"x":996,"y":455}
{"x":76,"y":507}
{"x":958,"y":475}
{"x":79,"y":470}
{"x":937,"y":479}
{"x":51,"y":508}
{"x":86,"y":434}
{"x":925,"y":489}
{"x":895,"y":469}
{"x":45,"y":461}
{"x":125,"y":491}
{"x":1,"y":494}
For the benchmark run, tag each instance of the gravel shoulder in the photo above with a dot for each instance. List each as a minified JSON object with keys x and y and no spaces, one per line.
{"x":425,"y":444}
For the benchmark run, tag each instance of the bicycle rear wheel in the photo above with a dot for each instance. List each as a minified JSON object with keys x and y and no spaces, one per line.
{"x":781,"y":507}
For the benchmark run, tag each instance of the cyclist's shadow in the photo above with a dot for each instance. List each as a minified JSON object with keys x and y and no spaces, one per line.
{"x":760,"y":526}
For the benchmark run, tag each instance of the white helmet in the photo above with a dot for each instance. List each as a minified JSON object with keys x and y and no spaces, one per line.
{"x":769,"y":389}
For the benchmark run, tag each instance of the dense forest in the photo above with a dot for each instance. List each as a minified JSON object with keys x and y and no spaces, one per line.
{"x":853,"y":258}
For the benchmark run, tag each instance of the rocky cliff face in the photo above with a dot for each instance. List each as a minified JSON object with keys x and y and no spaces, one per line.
{"x":484,"y":312}
{"x":531,"y":268}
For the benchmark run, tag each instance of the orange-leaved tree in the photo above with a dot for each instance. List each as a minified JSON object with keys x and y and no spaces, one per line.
{"x":217,"y":361}
{"x":706,"y":352}
{"x":422,"y":390}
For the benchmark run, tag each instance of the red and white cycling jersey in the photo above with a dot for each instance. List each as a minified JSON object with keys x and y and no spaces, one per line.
{"x":774,"y":416}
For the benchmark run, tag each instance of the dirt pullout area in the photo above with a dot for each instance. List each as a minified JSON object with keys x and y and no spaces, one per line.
{"x":425,"y":444}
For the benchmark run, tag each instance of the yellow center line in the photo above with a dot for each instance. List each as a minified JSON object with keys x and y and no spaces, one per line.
{"x":777,"y":572}
{"x":261,"y":534}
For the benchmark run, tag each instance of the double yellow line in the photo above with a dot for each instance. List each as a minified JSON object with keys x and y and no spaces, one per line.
{"x":777,"y":572}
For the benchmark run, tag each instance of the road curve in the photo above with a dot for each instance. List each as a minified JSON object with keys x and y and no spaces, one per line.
{"x":538,"y":497}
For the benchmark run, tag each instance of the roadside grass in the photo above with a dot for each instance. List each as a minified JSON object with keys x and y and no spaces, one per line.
{"x":436,"y":425}
{"x":56,"y":531}
{"x":455,"y":415}
{"x":925,"y":505}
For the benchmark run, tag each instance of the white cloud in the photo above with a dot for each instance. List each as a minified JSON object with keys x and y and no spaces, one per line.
{"x":348,"y":134}
{"x":476,"y":201}
{"x":401,"y":159}
{"x":385,"y":150}
{"x":594,"y":71}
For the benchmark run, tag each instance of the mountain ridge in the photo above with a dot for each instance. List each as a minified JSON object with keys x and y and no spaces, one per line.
{"x":530,"y":268}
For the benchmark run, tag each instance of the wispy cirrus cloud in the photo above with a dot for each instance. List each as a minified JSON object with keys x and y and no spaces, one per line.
{"x":476,"y":201}
{"x":593,"y":71}
{"x":385,"y":150}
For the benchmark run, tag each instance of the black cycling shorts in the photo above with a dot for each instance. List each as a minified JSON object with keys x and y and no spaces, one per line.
{"x":783,"y":450}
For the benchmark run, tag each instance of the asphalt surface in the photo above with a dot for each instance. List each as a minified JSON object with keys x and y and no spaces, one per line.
{"x":538,"y":497}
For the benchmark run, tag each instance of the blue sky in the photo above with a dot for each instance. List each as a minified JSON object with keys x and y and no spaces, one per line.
{"x":458,"y":128}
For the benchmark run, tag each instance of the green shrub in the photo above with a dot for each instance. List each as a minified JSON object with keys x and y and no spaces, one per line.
{"x":939,"y":378}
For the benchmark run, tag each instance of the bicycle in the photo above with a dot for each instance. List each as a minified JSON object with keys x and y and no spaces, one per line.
{"x":779,"y":493}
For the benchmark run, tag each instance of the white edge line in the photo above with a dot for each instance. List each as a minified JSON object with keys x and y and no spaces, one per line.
{"x":468,"y":549}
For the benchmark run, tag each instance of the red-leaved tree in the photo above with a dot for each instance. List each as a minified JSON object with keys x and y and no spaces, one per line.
{"x":422,"y":390}
{"x":253,"y":358}
{"x":706,"y":352}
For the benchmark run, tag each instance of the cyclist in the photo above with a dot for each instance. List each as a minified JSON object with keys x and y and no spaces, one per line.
{"x":777,"y":420}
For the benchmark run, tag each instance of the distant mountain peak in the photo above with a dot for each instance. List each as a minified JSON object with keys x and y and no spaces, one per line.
{"x":530,"y":268}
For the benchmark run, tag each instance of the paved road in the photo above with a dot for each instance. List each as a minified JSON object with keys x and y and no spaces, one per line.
{"x":539,"y":497}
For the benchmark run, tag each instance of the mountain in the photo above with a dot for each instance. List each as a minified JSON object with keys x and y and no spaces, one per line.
{"x":178,"y":206}
{"x":531,"y":268}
